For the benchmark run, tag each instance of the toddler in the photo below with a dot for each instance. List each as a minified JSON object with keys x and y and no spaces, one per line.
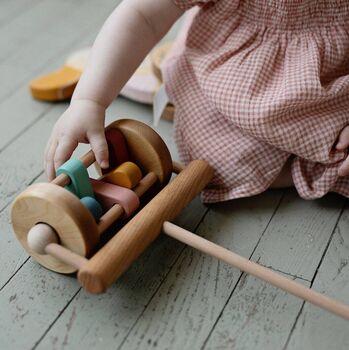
{"x":260,"y":88}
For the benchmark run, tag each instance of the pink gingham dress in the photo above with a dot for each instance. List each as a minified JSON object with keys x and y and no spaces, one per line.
{"x":256,"y":82}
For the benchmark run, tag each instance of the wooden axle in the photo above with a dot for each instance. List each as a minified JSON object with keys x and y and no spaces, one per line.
{"x":64,"y":180}
{"x":256,"y":270}
{"x":228,"y":257}
{"x":232,"y":259}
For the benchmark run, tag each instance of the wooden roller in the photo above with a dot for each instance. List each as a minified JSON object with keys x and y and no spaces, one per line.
{"x":62,"y":231}
{"x":64,"y":219}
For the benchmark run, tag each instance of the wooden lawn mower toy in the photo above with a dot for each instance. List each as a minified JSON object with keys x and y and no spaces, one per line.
{"x":60,"y":223}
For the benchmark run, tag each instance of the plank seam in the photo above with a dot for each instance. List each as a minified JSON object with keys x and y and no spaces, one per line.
{"x":315,"y":274}
{"x":19,"y":13}
{"x":242,"y":273}
{"x":55,"y":320}
{"x":286,"y":273}
{"x":25,"y":261}
{"x":160,"y":283}
{"x":60,"y":53}
{"x":27,"y":127}
{"x":17,"y":193}
{"x":14,"y":274}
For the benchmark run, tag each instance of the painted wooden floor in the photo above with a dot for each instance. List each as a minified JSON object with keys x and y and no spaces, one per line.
{"x":173,"y":297}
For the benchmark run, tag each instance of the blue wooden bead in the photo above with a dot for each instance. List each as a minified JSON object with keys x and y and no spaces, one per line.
{"x":93,"y":206}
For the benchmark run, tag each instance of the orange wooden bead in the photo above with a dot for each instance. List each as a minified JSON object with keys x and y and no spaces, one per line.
{"x":126,"y":175}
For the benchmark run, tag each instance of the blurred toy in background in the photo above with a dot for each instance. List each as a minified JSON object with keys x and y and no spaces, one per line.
{"x":59,"y":85}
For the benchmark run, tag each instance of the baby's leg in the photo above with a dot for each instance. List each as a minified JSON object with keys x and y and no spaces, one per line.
{"x":285,"y":178}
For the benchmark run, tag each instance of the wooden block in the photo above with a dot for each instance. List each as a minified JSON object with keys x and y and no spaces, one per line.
{"x":126,"y":175}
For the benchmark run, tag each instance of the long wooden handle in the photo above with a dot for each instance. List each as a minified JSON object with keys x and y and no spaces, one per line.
{"x":125,"y":247}
{"x":256,"y":270}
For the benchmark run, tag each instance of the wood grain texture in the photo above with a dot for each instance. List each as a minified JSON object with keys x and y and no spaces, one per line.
{"x":12,"y":9}
{"x":109,"y":317}
{"x":297,"y":237}
{"x":20,"y":63}
{"x":314,"y":328}
{"x":255,"y":316}
{"x":29,"y":160}
{"x":290,"y":241}
{"x":30,"y":54}
{"x":189,"y":302}
{"x":30,"y":303}
{"x":12,"y":256}
{"x":254,"y":269}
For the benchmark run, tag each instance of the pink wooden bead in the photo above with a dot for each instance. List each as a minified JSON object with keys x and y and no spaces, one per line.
{"x":108,"y":194}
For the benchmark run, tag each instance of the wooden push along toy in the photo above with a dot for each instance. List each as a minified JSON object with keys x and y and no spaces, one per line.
{"x":60,"y":227}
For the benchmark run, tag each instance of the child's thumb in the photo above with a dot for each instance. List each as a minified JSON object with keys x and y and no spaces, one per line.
{"x":100,"y":149}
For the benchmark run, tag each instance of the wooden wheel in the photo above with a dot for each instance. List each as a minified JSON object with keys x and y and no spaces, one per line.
{"x":53,"y":205}
{"x":146,"y":148}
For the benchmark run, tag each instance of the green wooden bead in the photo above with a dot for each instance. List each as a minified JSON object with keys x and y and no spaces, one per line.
{"x":79,"y":180}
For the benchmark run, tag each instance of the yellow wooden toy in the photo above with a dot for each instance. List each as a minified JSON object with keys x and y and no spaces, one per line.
{"x":60,"y":84}
{"x":126,"y":175}
{"x":60,"y":232}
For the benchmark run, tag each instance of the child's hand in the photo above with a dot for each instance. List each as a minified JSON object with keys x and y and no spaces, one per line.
{"x":82,"y":122}
{"x":112,"y":62}
{"x":342,"y":144}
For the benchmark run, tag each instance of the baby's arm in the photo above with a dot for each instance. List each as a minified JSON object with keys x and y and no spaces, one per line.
{"x":125,"y":39}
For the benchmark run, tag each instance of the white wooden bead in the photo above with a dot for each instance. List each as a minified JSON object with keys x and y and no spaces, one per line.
{"x":40,"y":236}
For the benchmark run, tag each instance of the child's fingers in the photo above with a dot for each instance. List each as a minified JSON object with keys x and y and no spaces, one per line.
{"x":64,"y":151}
{"x":49,"y":154}
{"x":343,"y":140}
{"x":344,"y":168}
{"x":100,"y":149}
